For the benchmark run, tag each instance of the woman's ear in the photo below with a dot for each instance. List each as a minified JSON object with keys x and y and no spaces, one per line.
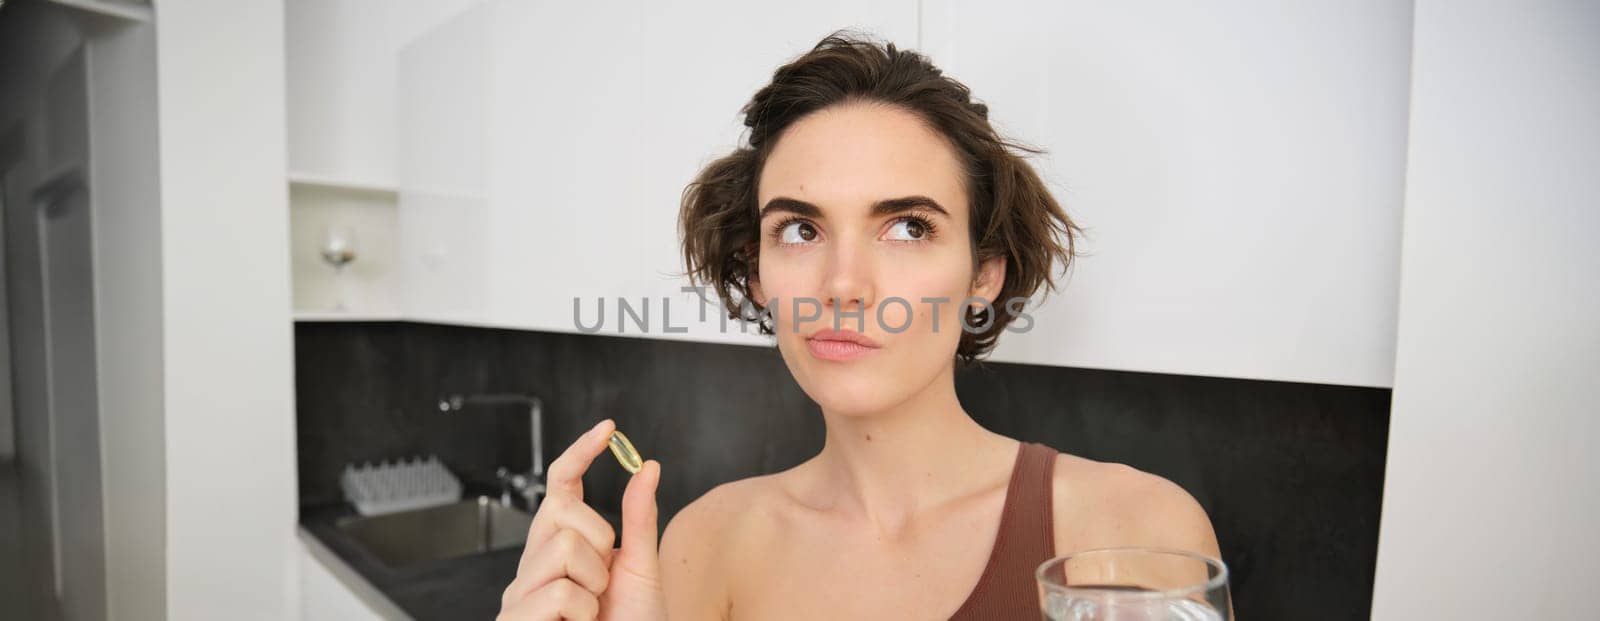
{"x":753,"y":277}
{"x":754,"y":284}
{"x":991,"y":276}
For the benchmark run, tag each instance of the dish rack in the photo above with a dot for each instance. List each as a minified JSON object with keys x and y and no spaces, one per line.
{"x":399,"y":486}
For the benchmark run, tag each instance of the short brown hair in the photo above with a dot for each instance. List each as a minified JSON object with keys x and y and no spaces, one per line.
{"x":1012,"y":212}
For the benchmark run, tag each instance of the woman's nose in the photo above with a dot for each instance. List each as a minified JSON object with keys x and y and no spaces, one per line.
{"x":849,"y":285}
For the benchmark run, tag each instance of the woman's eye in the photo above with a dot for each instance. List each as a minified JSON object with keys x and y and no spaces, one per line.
{"x":908,"y":230}
{"x":797,"y":233}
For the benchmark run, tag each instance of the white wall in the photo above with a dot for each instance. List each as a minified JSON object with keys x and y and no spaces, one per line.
{"x":1492,"y":493}
{"x":108,"y":548}
{"x":231,"y":498}
{"x":128,"y":320}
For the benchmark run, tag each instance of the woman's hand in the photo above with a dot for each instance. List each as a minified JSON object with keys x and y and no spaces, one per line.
{"x":569,"y":569}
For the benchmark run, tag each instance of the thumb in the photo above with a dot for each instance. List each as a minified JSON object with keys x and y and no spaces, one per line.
{"x":639,"y":520}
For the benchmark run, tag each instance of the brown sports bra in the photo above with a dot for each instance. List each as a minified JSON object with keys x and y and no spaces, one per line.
{"x":1026,"y":538}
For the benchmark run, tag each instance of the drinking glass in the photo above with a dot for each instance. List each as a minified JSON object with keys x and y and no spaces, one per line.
{"x":1134,"y":584}
{"x":339,"y":249}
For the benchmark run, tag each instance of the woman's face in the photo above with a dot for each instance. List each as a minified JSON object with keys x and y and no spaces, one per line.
{"x":863,"y":210}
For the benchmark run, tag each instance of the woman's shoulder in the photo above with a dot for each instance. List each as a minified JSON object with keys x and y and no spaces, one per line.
{"x":1099,"y":504}
{"x":726,"y":507}
{"x":704,"y":540}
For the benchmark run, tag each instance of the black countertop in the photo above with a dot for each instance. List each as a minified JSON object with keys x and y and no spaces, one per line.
{"x":466,"y":587}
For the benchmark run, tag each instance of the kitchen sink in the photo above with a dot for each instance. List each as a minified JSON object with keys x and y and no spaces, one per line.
{"x":448,"y":531}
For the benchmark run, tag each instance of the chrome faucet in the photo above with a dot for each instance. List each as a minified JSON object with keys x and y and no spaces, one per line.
{"x":532,"y":484}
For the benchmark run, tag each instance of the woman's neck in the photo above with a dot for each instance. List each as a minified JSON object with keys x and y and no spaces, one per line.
{"x":888,"y":467}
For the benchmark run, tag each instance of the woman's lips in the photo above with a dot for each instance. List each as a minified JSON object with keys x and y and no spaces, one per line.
{"x":840,"y":345}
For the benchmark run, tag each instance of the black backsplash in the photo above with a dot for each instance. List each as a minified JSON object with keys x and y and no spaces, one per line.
{"x":1290,"y":473}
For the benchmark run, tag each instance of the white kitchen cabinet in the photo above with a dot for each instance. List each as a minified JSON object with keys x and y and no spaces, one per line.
{"x":326,"y":596}
{"x":1240,"y":172}
{"x":563,"y":157}
{"x":518,"y":124}
{"x":341,"y":78}
{"x":441,"y":97}
{"x":1240,"y":166}
{"x":545,"y":147}
{"x":341,"y":74}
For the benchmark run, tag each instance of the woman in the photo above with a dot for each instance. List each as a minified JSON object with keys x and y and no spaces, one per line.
{"x":873,"y":193}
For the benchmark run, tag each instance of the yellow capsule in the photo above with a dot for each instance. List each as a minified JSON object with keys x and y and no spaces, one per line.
{"x":625,"y":453}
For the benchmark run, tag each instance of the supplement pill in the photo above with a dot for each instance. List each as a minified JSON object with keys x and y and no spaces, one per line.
{"x":625,"y":453}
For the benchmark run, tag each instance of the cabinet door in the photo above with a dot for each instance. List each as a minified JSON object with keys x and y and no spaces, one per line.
{"x":519,"y":161}
{"x":1240,"y":166}
{"x":444,"y":216}
{"x":563,"y":157}
{"x":324,"y":598}
{"x":341,"y":76}
{"x":598,"y":115}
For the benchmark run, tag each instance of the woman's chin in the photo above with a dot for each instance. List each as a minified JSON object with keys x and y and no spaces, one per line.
{"x":845,"y":408}
{"x":852,"y":394}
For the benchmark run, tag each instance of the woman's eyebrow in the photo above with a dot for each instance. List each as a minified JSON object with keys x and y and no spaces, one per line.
{"x":797,"y":206}
{"x":888,"y":206}
{"x":892,"y":206}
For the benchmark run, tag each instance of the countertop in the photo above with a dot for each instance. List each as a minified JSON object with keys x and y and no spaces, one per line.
{"x":467,"y":587}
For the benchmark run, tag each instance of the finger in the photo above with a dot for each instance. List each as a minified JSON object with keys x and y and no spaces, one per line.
{"x":566,"y":472}
{"x":639,"y":518}
{"x":561,"y":513}
{"x":564,"y":486}
{"x":559,"y":599}
{"x":567,"y":555}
